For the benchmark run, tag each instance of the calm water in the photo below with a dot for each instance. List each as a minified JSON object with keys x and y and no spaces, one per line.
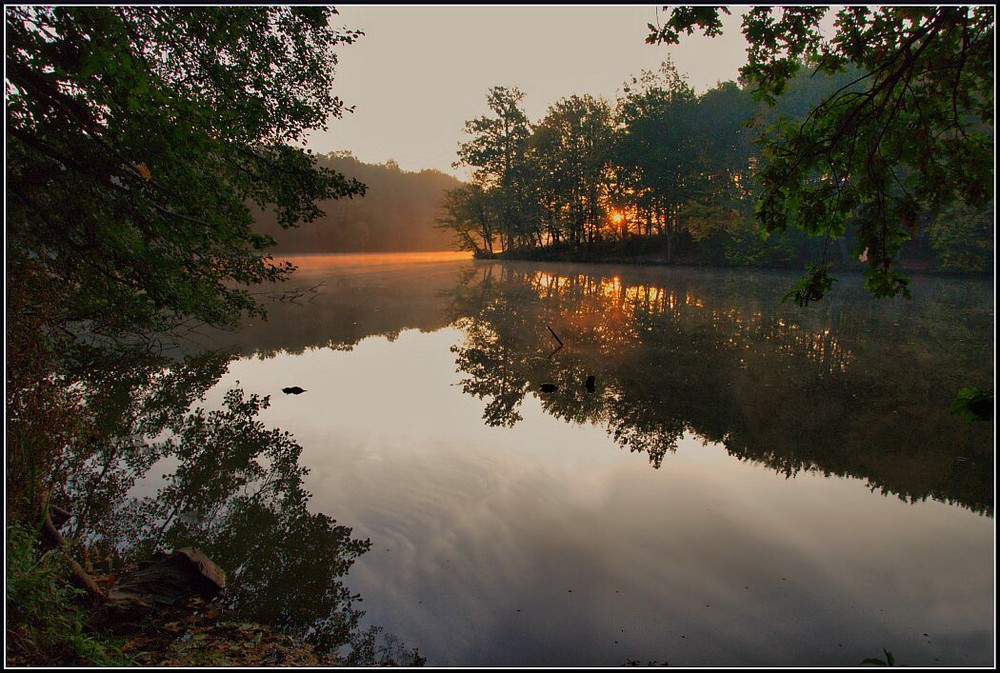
{"x":745,"y":482}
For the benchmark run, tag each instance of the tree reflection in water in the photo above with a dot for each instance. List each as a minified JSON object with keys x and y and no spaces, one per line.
{"x":824,"y":392}
{"x":233,"y":488}
{"x":855,"y":389}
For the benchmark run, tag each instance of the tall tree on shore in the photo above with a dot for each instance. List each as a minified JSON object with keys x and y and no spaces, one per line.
{"x":469,"y":216}
{"x":657,"y":118}
{"x":912,"y":134}
{"x":723,"y":141}
{"x":571,"y":151}
{"x":496,"y":153}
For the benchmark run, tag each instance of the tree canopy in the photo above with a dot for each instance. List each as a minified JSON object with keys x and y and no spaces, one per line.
{"x":660,"y":164}
{"x":137,"y":139}
{"x":911,"y":134}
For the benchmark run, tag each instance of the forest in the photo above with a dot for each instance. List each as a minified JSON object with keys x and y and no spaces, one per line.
{"x":398,"y":212}
{"x":663,"y":175}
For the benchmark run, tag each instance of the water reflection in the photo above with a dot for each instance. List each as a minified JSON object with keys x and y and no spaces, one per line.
{"x":335,"y":301}
{"x":433,"y":437}
{"x":851,"y":386}
{"x":846,"y":390}
{"x":229,"y":485}
{"x":540,"y":543}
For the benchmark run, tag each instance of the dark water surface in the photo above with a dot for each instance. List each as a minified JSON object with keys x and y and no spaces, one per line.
{"x":745,"y":482}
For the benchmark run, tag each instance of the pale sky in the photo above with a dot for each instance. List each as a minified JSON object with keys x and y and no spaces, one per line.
{"x":421,"y":71}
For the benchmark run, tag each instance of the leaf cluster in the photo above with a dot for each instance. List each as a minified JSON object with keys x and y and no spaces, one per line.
{"x":911,"y":133}
{"x":974,"y":404}
{"x":137,"y":137}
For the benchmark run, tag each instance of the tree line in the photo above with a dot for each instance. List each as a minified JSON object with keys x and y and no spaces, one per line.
{"x":662,"y":174}
{"x":398,"y":212}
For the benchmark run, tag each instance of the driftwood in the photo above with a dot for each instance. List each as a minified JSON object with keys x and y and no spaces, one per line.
{"x":168,"y":580}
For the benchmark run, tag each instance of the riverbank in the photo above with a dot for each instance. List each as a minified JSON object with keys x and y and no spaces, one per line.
{"x":654,"y":251}
{"x":52,"y":623}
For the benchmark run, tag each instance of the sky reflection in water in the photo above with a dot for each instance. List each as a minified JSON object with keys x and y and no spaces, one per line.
{"x":545,"y":543}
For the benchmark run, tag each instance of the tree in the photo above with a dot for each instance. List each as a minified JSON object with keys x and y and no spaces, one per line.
{"x":570,"y":149}
{"x":962,"y":237}
{"x":723,"y":144}
{"x":136,"y":139}
{"x":468,"y":215}
{"x":497,"y":143}
{"x":911,"y":135}
{"x":496,"y":152}
{"x":657,"y":118}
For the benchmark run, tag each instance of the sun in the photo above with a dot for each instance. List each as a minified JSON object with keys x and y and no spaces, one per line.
{"x":617,"y":216}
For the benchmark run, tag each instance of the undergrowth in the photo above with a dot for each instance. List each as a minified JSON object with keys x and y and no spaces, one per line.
{"x":46,"y":622}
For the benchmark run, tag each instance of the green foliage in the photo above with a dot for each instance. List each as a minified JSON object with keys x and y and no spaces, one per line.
{"x":136,"y":138}
{"x":684,"y":19}
{"x":45,"y":622}
{"x":816,"y":284}
{"x":742,"y":245}
{"x":659,"y":147}
{"x":468,"y":216}
{"x":912,"y":133}
{"x":570,"y":154}
{"x":497,"y":154}
{"x":974,"y":404}
{"x":675,"y":170}
{"x":884,"y":283}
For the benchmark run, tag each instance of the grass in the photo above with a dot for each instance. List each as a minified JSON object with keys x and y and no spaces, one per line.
{"x":47,"y":624}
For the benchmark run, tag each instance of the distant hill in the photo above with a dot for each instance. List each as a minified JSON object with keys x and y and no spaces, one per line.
{"x":397,"y":214}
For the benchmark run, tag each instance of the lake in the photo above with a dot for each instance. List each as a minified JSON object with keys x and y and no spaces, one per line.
{"x":742,"y":482}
